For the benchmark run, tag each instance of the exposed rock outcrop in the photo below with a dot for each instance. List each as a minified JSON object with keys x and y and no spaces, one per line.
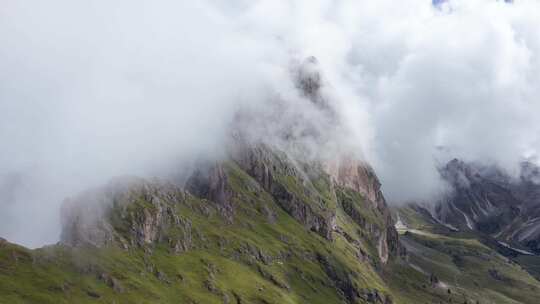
{"x":360,"y":177}
{"x":289,"y":186}
{"x":210,"y":181}
{"x":126,"y":212}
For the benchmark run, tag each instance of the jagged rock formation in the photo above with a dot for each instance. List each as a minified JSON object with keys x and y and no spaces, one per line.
{"x":309,"y":194}
{"x":128,"y":212}
{"x":290,"y":187}
{"x":360,"y":177}
{"x":211,"y":182}
{"x":258,"y":183}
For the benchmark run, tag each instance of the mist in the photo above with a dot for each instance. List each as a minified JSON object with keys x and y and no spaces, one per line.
{"x":89,"y":91}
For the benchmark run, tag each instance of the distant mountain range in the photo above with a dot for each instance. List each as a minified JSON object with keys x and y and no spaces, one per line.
{"x":488,"y":200}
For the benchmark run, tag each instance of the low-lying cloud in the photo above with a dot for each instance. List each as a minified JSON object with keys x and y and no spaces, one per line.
{"x":93,"y":90}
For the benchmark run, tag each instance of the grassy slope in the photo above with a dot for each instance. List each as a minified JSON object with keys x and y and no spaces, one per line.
{"x":465,"y":266}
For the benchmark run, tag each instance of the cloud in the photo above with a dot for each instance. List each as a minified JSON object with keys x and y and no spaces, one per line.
{"x":465,"y":81}
{"x":93,"y":90}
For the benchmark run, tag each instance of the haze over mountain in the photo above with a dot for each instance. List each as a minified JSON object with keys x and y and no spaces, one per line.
{"x":292,"y":217}
{"x":103,"y":89}
{"x":488,"y":200}
{"x":270,"y":151}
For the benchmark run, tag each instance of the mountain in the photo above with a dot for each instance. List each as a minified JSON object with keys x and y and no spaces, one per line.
{"x":488,"y":200}
{"x":259,"y":227}
{"x":488,"y":205}
{"x":296,"y":217}
{"x":464,"y":261}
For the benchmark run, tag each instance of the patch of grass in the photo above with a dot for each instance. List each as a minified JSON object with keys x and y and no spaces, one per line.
{"x":465,"y":266}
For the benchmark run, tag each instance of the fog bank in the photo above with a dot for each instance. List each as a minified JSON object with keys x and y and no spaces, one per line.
{"x":89,"y":91}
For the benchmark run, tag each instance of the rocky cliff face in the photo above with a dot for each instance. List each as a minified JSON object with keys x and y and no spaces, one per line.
{"x":292,"y":188}
{"x":257,"y":186}
{"x":128,"y":212}
{"x":349,"y":173}
{"x":311,"y":194}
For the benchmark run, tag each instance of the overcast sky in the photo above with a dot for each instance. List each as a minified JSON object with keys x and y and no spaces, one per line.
{"x":91,"y":90}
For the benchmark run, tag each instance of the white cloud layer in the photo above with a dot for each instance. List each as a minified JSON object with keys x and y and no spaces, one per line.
{"x":90,"y":90}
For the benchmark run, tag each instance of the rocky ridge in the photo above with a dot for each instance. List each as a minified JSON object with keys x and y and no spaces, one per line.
{"x":134,"y":214}
{"x":488,"y":200}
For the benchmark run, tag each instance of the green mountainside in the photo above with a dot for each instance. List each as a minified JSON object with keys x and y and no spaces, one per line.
{"x":260,"y":227}
{"x":466,"y":262}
